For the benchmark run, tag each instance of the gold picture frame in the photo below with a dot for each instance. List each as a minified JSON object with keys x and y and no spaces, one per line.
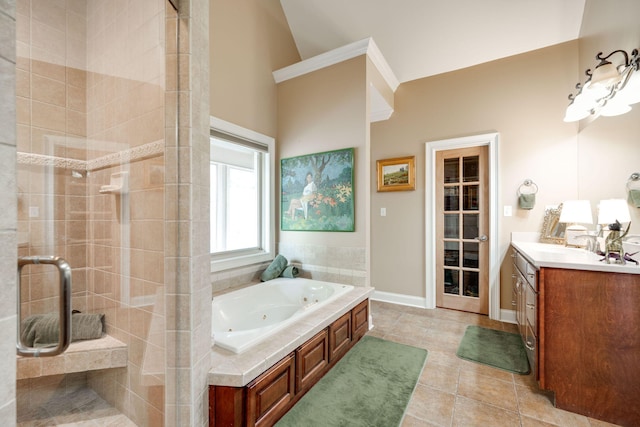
{"x":397,"y":174}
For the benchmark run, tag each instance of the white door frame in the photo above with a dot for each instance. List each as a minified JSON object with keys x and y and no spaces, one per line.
{"x":491,"y":140}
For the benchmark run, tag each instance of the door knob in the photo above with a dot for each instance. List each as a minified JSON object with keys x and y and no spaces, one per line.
{"x":482,"y":238}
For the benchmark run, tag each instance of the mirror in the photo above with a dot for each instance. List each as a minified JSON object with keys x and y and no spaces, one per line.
{"x":552,"y":229}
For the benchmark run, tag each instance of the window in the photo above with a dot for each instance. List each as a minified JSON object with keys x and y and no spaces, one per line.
{"x":241,"y":165}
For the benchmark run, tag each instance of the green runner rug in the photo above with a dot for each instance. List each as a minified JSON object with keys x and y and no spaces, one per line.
{"x":499,"y":349}
{"x":370,"y":386}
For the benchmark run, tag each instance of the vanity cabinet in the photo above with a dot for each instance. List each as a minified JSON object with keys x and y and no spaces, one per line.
{"x":590,"y":342}
{"x":525,"y":302}
{"x":581,"y":329}
{"x":267,"y":398}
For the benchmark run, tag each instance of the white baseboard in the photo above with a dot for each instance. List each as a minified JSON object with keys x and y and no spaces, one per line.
{"x":399,"y":299}
{"x":508,"y":316}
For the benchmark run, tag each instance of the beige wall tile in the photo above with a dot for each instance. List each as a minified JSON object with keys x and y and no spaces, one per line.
{"x":47,"y":90}
{"x":48,"y":116}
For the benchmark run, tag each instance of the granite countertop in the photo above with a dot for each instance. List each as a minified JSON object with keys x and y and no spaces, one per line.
{"x":237,"y":370}
{"x":558,"y":256}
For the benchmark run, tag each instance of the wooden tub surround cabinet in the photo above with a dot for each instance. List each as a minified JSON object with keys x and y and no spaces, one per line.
{"x":587,"y":348}
{"x":263,"y":400}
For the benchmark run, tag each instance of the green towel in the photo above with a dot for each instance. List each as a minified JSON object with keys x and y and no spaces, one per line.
{"x":634,"y":197}
{"x":276,"y":267}
{"x":527,"y":201}
{"x":291,"y":272}
{"x":42,"y":330}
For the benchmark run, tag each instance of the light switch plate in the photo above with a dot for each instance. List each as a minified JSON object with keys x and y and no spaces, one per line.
{"x":508,"y":210}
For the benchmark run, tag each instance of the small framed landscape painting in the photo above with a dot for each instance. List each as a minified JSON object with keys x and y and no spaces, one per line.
{"x":317,"y":192}
{"x":398,"y":174}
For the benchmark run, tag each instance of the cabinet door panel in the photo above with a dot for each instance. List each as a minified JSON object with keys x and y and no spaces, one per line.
{"x":312,"y":360}
{"x":339,"y":337}
{"x":360,"y":320}
{"x":270,"y":393}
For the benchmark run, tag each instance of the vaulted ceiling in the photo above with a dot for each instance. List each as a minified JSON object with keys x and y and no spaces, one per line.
{"x":421,"y":38}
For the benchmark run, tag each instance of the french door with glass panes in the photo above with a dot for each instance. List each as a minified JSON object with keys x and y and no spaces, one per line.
{"x":462,"y":227}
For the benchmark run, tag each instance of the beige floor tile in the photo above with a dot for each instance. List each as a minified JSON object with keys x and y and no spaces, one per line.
{"x":471,"y":413}
{"x":532,"y":422}
{"x":488,"y":390}
{"x":536,"y":404}
{"x":441,"y":377}
{"x":480,"y":369}
{"x":410,"y":421}
{"x":453,"y":391}
{"x":431,"y":405}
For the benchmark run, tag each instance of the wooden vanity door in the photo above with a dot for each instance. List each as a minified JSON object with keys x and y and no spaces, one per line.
{"x":462,"y":227}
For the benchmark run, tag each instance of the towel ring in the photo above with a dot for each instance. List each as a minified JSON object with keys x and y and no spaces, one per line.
{"x":633,"y":181}
{"x":528,"y":184}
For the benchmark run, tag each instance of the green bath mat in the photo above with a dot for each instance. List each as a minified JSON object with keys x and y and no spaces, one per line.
{"x":499,"y":349}
{"x":370,"y":386}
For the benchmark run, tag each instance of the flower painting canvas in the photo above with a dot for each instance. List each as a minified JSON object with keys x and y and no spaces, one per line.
{"x":317,"y":192}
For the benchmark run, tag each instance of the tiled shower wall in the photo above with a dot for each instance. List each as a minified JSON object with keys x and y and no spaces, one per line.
{"x":8,"y":220}
{"x":50,"y":98}
{"x":91,"y":103}
{"x":126,"y":127}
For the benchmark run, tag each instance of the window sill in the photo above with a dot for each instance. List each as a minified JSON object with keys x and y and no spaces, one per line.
{"x":239,"y":261}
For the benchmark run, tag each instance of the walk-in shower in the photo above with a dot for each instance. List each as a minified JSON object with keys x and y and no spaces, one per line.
{"x":96,"y":112}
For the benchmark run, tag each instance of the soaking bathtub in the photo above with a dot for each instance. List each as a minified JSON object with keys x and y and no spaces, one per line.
{"x":243,"y":318}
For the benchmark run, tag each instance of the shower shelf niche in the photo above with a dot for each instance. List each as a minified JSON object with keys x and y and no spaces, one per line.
{"x":119,"y":184}
{"x":87,"y":355}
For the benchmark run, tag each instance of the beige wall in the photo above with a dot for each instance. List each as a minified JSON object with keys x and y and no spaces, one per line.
{"x":322,"y":111}
{"x":249,"y":40}
{"x":523,"y":98}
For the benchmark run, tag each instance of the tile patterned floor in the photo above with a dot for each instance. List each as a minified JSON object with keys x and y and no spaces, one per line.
{"x":456,"y":392}
{"x":80,"y":408}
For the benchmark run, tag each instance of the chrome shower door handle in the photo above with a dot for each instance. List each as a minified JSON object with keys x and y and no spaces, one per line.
{"x":64,"y":336}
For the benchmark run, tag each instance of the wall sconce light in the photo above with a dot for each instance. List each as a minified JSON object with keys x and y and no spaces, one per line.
{"x":610,"y":89}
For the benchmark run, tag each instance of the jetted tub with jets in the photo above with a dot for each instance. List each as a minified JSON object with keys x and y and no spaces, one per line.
{"x":243,"y":318}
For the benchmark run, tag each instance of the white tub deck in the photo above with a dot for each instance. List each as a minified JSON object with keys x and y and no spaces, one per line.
{"x":237,"y":370}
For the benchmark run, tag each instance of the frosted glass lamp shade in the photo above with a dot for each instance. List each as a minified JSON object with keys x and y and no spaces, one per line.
{"x":605,"y":75}
{"x":576,"y":212}
{"x":631,"y":92}
{"x":612,"y":210}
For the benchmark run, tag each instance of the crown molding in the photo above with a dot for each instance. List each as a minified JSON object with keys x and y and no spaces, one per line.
{"x":366,"y":46}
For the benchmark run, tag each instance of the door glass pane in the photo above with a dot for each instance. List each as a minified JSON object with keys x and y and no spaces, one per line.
{"x":452,"y":254}
{"x":470,"y":169}
{"x":470,"y":197}
{"x":470,"y":283}
{"x":451,"y":281}
{"x":470,"y":226}
{"x":470,"y":255}
{"x":451,"y":226}
{"x":451,"y":171}
{"x":451,"y":198}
